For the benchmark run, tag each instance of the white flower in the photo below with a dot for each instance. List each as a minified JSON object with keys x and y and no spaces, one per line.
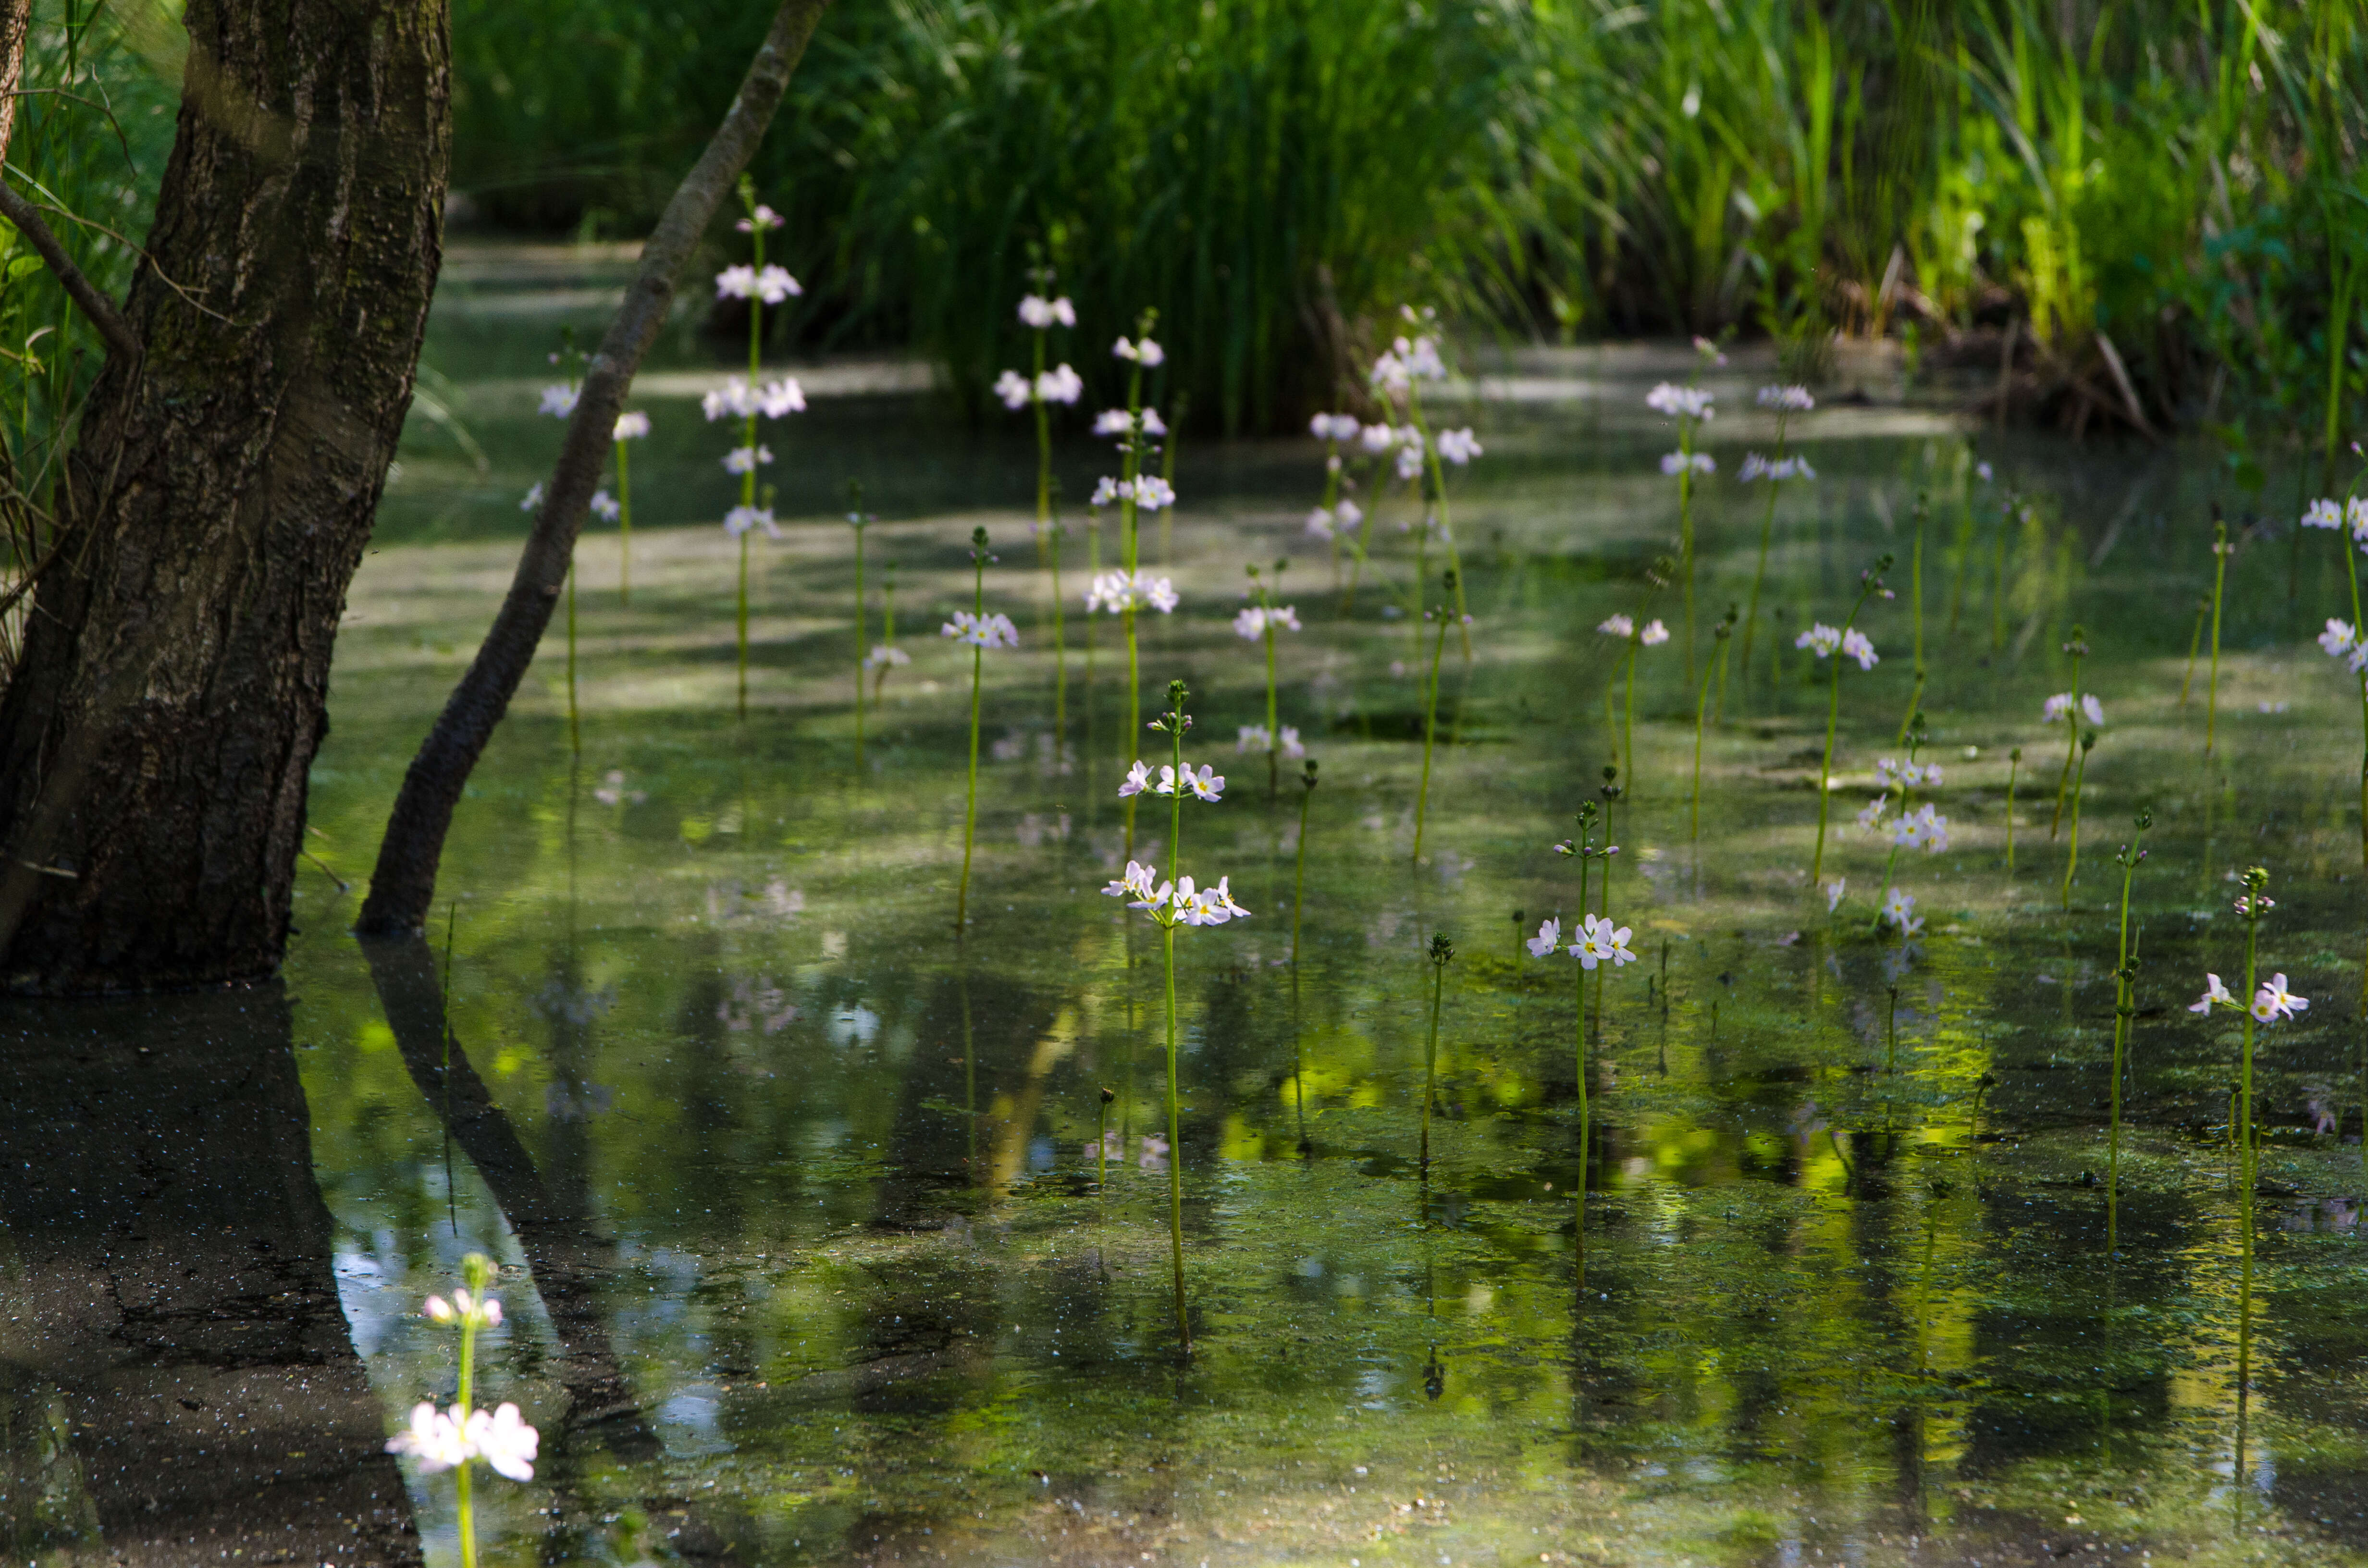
{"x":1291,"y":746}
{"x":1060,"y":385}
{"x":1014,"y":389}
{"x":740,"y":519}
{"x":1820,"y":639}
{"x":735,"y":283}
{"x":2324,"y":512}
{"x":2355,"y":516}
{"x":1870,"y":815}
{"x":774,"y":285}
{"x":1548,"y":938}
{"x":631,"y":426}
{"x":1205,"y":785}
{"x":881,"y":654}
{"x":991,"y":630}
{"x":1117,"y":591}
{"x":747,"y":459}
{"x":1348,"y":512}
{"x":1040,"y":312}
{"x":532,"y":498}
{"x":558,"y":401}
{"x":605,"y":505}
{"x":1654,"y":636}
{"x":776,"y":398}
{"x":1856,"y":646}
{"x":504,"y":1441}
{"x":1680,"y":462}
{"x":1254,"y":737}
{"x":1145,"y":353}
{"x":1113,"y":422}
{"x":1790,"y":400}
{"x":1459,"y":446}
{"x":1152,"y":424}
{"x":2213,"y":992}
{"x":1334,"y":426}
{"x":1152,"y":493}
{"x":1138,"y":779}
{"x":1683,"y":402}
{"x":1922,"y":828}
{"x":763,"y":217}
{"x":1250,"y":624}
{"x":2339,"y":638}
{"x":736,"y":398}
{"x":1899,"y":909}
{"x":1319,"y":523}
{"x":437,"y":1439}
{"x":2275,"y":1001}
{"x":1834,"y":890}
{"x":1599,"y":941}
{"x":1378,"y":438}
{"x":1793,"y":467}
{"x":1410,"y":460}
{"x":1617,"y":626}
{"x":2056,"y":707}
{"x":1137,"y":881}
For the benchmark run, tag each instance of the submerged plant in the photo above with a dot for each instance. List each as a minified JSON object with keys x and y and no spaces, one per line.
{"x":1430,"y":715}
{"x":979,"y":632}
{"x":452,"y":1439}
{"x":1442,"y":953}
{"x":1171,"y":905}
{"x":2126,"y":970}
{"x":1259,"y":624}
{"x":1786,"y":401}
{"x":1826,"y":641}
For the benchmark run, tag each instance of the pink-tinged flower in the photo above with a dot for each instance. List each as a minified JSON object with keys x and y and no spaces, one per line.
{"x":1899,"y":909}
{"x":1680,"y":402}
{"x":990,"y":631}
{"x":1459,"y":446}
{"x":774,"y":285}
{"x":747,"y":459}
{"x":2215,"y":994}
{"x":1145,"y":353}
{"x":558,"y":401}
{"x":2057,"y":707}
{"x":1119,"y":591}
{"x":1014,"y":389}
{"x":740,"y":519}
{"x":1042,"y":313}
{"x":2324,"y":512}
{"x":1548,"y":938}
{"x":1152,"y":493}
{"x":1617,"y":626}
{"x":1410,"y":462}
{"x":439,"y":1440}
{"x":532,"y":498}
{"x":1871,"y":814}
{"x":735,"y":283}
{"x":2275,"y":1001}
{"x":1334,"y":427}
{"x":782,"y":397}
{"x":1060,"y":385}
{"x":762,"y":218}
{"x":631,"y":425}
{"x":1653,"y":634}
{"x":1319,"y":523}
{"x":2339,"y":638}
{"x":1138,"y":779}
{"x":1855,"y":645}
{"x":505,"y":1441}
{"x":1113,"y":422}
{"x":1787,"y":400}
{"x":606,"y":507}
{"x":1137,"y":881}
{"x":1379,"y":438}
{"x":1820,"y":639}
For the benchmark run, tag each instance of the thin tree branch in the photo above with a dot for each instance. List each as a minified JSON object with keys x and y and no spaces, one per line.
{"x":404,"y":883}
{"x":121,"y":341}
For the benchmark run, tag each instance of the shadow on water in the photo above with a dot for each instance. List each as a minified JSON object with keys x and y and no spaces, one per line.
{"x":181,"y":1384}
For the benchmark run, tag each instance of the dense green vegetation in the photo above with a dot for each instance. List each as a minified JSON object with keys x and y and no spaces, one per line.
{"x":1275,"y":175}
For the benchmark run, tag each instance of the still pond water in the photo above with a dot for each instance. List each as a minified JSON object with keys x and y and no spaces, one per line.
{"x":822,"y":1243}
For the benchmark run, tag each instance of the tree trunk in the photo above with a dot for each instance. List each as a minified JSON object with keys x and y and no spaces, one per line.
{"x":16,"y":20}
{"x":155,"y":740}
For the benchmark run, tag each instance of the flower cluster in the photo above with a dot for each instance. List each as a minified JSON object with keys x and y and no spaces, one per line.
{"x":1145,"y":353}
{"x":1334,"y":427}
{"x":760,"y":219}
{"x":1119,"y":422}
{"x":1257,"y":737}
{"x":1251,"y":623}
{"x":2351,"y":513}
{"x":884,"y":654}
{"x":1042,"y":313}
{"x":1823,"y":640}
{"x":740,"y":519}
{"x":1177,"y":903}
{"x":1147,"y":491}
{"x":1922,"y":828}
{"x":1409,"y":360}
{"x":2270,"y":1004}
{"x":1118,"y":591}
{"x":1343,"y":515}
{"x":1756,"y":467}
{"x":773,"y":285}
{"x":1207,"y":784}
{"x":446,"y":1439}
{"x":1598,"y":942}
{"x":1458,"y":446}
{"x":1059,"y":384}
{"x":1675,"y":463}
{"x":631,"y":425}
{"x":737,"y":399}
{"x":1899,"y":909}
{"x":558,"y":401}
{"x":2058,"y":707}
{"x":1680,"y":402}
{"x":747,"y":459}
{"x":1787,"y":400}
{"x":2342,"y":641}
{"x":991,"y":630}
{"x":1891,"y":773}
{"x":1655,"y":631}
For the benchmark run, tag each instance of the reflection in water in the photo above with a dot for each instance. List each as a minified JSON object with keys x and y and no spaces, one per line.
{"x":180,"y":1386}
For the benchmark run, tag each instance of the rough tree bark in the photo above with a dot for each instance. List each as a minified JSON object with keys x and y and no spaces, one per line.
{"x":15,"y":19}
{"x":155,"y":740}
{"x":404,"y":885}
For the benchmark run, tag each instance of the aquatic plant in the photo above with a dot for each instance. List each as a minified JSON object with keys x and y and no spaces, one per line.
{"x":1038,"y":392}
{"x":452,"y":1439}
{"x":1651,"y":634}
{"x":2072,"y":855}
{"x":2125,"y":972}
{"x":1430,"y":711}
{"x":1170,"y":906}
{"x":2348,"y":639}
{"x":885,"y":654}
{"x":1442,"y":953}
{"x":1691,"y":407}
{"x":1920,"y":828}
{"x":1388,"y":449}
{"x":1126,"y":591}
{"x":1586,"y":948}
{"x":1825,"y":642}
{"x":2070,"y":708}
{"x":631,"y":425}
{"x":1786,"y":401}
{"x":1723,"y":632}
{"x":1334,"y":512}
{"x":979,"y":632}
{"x":738,"y":523}
{"x":1259,"y":624}
{"x":1397,"y":378}
{"x":2221,"y":551}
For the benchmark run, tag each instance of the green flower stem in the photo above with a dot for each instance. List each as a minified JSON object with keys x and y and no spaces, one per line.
{"x":1299,"y":893}
{"x":2072,"y":860}
{"x":1916,"y":593}
{"x":1701,"y":711}
{"x":857,"y":521}
{"x":740,"y":622}
{"x":1377,"y":486}
{"x":2194,"y":646}
{"x":1628,"y":723}
{"x":1048,"y":540}
{"x":887,"y":629}
{"x":575,"y":726}
{"x":624,"y":527}
{"x":1174,"y":1138}
{"x":2219,"y":580}
{"x":2072,"y":731}
{"x":977,"y":671}
{"x":1127,"y":557}
{"x":1997,"y":582}
{"x":1431,"y":1056}
{"x":1833,"y":718}
{"x":1446,"y":519}
{"x":2124,"y":975}
{"x":2246,"y":1148}
{"x":2013,"y":764}
{"x":1685,"y":541}
{"x":1759,"y":571}
{"x":1430,"y":724}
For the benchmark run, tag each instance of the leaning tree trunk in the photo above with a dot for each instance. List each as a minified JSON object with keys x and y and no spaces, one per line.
{"x":156,"y":738}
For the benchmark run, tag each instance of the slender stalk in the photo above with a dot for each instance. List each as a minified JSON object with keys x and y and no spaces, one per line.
{"x":857,"y":519}
{"x":1129,"y":467}
{"x":1997,"y":581}
{"x":1759,"y":571}
{"x":1431,"y":723}
{"x":1628,"y":721}
{"x":1916,"y":597}
{"x":1869,"y":582}
{"x":2194,"y":646}
{"x":1685,"y":539}
{"x":2258,"y":880}
{"x":574,"y":725}
{"x":1724,"y":632}
{"x":1446,"y":519}
{"x":1174,"y":1138}
{"x":1441,"y":951}
{"x":740,"y":622}
{"x":2220,"y":551}
{"x":1101,"y":1140}
{"x":2072,"y":860}
{"x":2351,"y":573}
{"x":977,"y":671}
{"x":887,"y":629}
{"x":1299,"y":891}
{"x":2013,"y":764}
{"x":2078,"y":648}
{"x":624,"y":527}
{"x":2125,"y":976}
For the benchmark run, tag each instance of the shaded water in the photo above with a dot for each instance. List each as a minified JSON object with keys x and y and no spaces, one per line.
{"x":809,"y":1252}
